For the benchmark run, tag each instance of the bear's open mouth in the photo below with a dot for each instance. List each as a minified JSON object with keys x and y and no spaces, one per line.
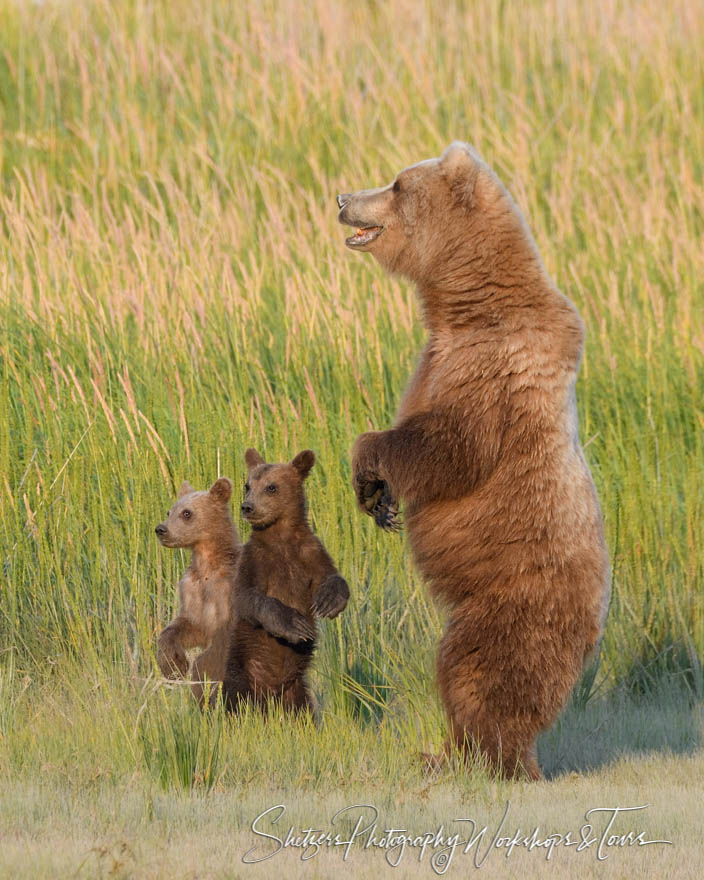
{"x":363,"y":235}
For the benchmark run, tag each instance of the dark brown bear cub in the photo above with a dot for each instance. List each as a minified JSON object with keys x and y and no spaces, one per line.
{"x":285,"y":580}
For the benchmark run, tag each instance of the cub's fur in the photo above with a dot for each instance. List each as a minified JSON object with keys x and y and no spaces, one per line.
{"x":284,"y":581}
{"x":202,"y":522}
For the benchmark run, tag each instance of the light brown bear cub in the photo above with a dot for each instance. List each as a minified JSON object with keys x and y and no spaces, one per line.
{"x":502,"y":514}
{"x":285,"y":580}
{"x":202,"y":522}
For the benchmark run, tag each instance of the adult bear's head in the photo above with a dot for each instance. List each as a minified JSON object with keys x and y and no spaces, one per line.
{"x":446,"y":223}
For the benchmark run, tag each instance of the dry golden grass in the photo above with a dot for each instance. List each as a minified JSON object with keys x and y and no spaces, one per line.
{"x":139,"y":833}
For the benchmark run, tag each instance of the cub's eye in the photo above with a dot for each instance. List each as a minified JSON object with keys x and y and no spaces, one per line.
{"x":396,"y":187}
{"x":186,"y":514}
{"x":246,"y":487}
{"x":271,"y":489}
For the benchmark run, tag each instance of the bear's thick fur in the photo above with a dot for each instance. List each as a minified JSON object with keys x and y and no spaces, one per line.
{"x":202,"y":522}
{"x":285,"y":580}
{"x":502,"y":515}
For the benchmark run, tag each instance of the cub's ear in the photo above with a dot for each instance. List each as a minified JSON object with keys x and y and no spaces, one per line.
{"x":185,"y":489}
{"x":460,"y":165}
{"x":221,"y":490}
{"x":252,"y":458}
{"x":303,"y":462}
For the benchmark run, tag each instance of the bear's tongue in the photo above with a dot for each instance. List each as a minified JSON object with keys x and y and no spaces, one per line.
{"x":364,"y":235}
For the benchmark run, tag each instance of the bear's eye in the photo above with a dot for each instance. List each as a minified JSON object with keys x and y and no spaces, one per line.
{"x":396,"y":187}
{"x":186,"y":514}
{"x":271,"y":489}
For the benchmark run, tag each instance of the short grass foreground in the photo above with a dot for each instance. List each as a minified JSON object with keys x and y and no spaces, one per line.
{"x":174,"y":288}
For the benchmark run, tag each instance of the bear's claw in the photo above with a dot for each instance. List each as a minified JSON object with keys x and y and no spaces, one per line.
{"x":385,"y":512}
{"x":301,"y":630}
{"x":374,"y":498}
{"x":331,"y":598}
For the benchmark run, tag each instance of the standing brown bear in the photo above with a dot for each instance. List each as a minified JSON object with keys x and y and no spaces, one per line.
{"x":202,"y":522}
{"x":502,"y":514}
{"x":285,"y":580}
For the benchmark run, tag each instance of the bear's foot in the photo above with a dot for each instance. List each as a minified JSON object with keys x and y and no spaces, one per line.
{"x":432,"y":763}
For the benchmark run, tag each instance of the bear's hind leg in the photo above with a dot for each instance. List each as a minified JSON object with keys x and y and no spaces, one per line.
{"x":173,"y":642}
{"x":235,"y":689}
{"x":507,"y":744}
{"x":297,"y":698}
{"x":483,"y":706}
{"x":210,"y":665}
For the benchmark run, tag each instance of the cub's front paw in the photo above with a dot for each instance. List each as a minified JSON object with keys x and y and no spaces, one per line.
{"x":172,"y":660}
{"x":299,"y":628}
{"x":331,"y":597}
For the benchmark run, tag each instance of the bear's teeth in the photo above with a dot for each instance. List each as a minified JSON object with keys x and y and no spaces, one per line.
{"x":359,"y":232}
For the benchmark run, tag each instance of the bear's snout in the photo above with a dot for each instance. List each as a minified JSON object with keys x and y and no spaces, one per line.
{"x":161,"y":530}
{"x":342,"y":199}
{"x":247,"y":508}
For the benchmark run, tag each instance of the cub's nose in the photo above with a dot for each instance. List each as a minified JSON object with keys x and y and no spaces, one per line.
{"x":247,"y":508}
{"x":342,"y":199}
{"x":160,"y":530}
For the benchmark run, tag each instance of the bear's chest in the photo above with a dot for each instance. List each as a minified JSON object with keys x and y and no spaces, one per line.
{"x":206,"y":599}
{"x":285,"y":577}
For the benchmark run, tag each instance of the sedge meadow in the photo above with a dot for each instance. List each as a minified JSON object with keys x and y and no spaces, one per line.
{"x":174,"y":287}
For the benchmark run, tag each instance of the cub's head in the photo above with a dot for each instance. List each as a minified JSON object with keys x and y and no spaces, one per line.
{"x":274,"y":492}
{"x":196,"y":516}
{"x":411,"y":225}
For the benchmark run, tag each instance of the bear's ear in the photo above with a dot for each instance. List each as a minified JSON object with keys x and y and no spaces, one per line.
{"x":253,"y":458}
{"x":185,"y":489}
{"x":221,"y":490}
{"x":303,"y":462}
{"x":459,"y":164}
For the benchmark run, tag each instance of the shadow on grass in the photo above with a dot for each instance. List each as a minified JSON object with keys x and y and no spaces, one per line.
{"x":659,"y":708}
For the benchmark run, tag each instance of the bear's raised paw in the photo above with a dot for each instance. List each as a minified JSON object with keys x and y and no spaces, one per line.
{"x":385,"y":511}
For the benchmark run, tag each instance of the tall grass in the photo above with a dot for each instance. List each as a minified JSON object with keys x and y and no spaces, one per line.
{"x":174,"y":288}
